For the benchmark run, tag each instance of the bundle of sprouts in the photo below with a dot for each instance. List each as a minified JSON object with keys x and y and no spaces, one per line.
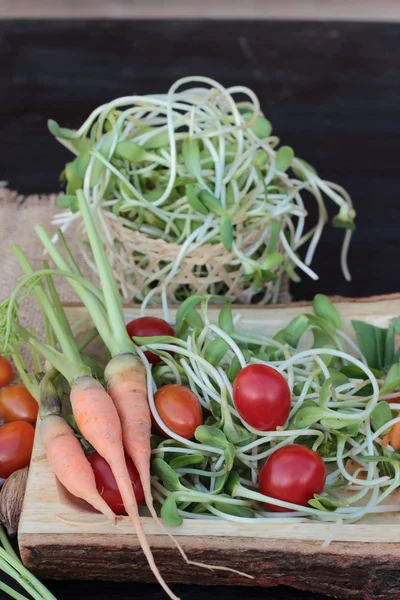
{"x":337,"y":409}
{"x":193,"y":194}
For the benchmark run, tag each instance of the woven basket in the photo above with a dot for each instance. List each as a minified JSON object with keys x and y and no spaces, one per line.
{"x":138,"y":262}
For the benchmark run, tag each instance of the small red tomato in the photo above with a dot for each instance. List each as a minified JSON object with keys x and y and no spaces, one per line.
{"x":294,"y":474}
{"x":107,"y":486}
{"x":179,"y":409}
{"x":17,"y":404}
{"x":262,"y":397}
{"x":6,"y":373}
{"x":16,"y":443}
{"x":149,"y":327}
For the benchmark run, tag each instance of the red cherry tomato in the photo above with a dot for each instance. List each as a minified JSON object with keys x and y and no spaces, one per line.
{"x":179,"y":409}
{"x":294,"y":474}
{"x":262,"y":397}
{"x":149,"y":327}
{"x":107,"y":486}
{"x":17,"y":404}
{"x":6,"y":373}
{"x":16,"y":443}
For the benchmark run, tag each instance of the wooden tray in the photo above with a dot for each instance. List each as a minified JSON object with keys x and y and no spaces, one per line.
{"x":363,"y":561}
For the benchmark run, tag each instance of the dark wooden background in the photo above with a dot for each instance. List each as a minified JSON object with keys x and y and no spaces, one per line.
{"x":331,"y":90}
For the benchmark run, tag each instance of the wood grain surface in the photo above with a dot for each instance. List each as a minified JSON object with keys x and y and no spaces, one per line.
{"x":331,"y":90}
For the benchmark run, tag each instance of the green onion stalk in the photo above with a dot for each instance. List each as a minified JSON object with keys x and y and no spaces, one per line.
{"x":194,"y":166}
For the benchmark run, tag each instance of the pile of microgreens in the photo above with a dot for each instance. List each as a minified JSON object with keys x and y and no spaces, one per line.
{"x":194,"y":166}
{"x":337,"y":410}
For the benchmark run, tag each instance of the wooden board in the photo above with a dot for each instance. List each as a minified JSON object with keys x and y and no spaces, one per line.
{"x":63,"y":539}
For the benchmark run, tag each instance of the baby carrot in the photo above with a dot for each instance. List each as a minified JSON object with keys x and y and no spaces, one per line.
{"x":98,"y":421}
{"x":69,"y":463}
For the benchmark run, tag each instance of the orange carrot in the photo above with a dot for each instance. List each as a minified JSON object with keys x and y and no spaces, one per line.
{"x":68,"y":462}
{"x":98,"y":420}
{"x":126,"y":379}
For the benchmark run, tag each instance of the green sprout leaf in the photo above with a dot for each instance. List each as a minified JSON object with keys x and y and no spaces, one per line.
{"x":194,"y":202}
{"x":211,"y":436}
{"x":169,"y":512}
{"x":226,"y":231}
{"x":324,"y":309}
{"x":211,"y":202}
{"x":380,"y":415}
{"x":284,"y":158}
{"x":185,"y":460}
{"x":216,"y":351}
{"x":166,"y":474}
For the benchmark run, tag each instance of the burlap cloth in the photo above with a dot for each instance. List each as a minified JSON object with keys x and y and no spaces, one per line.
{"x":18,"y":216}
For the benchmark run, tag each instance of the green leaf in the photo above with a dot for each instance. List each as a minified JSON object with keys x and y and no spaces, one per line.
{"x":325,"y":503}
{"x":211,"y":436}
{"x":321,"y":338}
{"x":216,"y":351}
{"x":284,"y":158}
{"x":325,"y":393}
{"x":193,"y":319}
{"x":82,"y":163}
{"x":166,"y":474}
{"x":211,"y":202}
{"x":194,"y":202}
{"x":392,"y":379}
{"x":219,"y":484}
{"x":322,"y":324}
{"x":234,"y":369}
{"x":186,"y":306}
{"x":232,"y":484}
{"x":74,"y":182}
{"x":187,"y":459}
{"x":262,"y":128}
{"x":338,"y":424}
{"x":295,"y":330}
{"x":191,"y":156}
{"x":372,"y":342}
{"x":60,"y":132}
{"x":238,"y":435}
{"x":271,"y":261}
{"x":354,"y":372}
{"x":159,"y":140}
{"x":229,"y":454}
{"x":380,"y":415}
{"x":128,"y":150}
{"x":226,"y":232}
{"x":64,"y":201}
{"x":306,"y":416}
{"x":324,"y":309}
{"x":337,"y":378}
{"x":225,"y":320}
{"x":215,"y":409}
{"x":341,"y":222}
{"x":169,"y":512}
{"x":275,"y":229}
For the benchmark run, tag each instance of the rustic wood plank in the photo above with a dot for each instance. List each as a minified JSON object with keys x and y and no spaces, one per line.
{"x":60,"y":537}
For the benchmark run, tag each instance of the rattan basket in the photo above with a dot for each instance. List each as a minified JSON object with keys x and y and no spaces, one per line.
{"x":139,"y":264}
